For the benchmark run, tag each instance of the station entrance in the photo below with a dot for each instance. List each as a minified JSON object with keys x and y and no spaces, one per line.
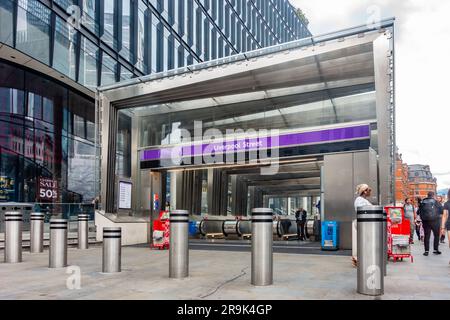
{"x":220,"y":199}
{"x":285,"y":127}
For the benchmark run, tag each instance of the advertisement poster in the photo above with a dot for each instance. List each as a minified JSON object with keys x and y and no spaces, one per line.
{"x":47,"y":189}
{"x":6,"y":189}
{"x":124,"y":195}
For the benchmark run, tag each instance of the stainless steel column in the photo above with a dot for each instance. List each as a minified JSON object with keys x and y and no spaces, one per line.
{"x":262,"y":255}
{"x":13,"y":236}
{"x":37,"y":232}
{"x":385,"y":250}
{"x":58,"y":243}
{"x":179,"y":244}
{"x":112,"y":250}
{"x":83,"y":231}
{"x":370,"y":250}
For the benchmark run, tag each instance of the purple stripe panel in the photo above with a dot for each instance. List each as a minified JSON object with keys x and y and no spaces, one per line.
{"x":281,"y":141}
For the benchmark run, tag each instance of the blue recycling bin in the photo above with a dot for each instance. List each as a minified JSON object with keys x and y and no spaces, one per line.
{"x":330,"y":235}
{"x":193,"y":228}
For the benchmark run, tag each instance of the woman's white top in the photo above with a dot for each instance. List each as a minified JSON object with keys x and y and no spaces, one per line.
{"x":361,"y":202}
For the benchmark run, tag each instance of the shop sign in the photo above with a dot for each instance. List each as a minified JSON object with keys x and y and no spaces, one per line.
{"x":47,"y":189}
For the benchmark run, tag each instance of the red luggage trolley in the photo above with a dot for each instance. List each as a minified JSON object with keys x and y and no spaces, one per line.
{"x":161,"y":231}
{"x":398,"y":229}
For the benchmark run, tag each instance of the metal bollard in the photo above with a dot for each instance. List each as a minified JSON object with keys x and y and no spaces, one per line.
{"x":179,"y":244}
{"x":37,"y":232}
{"x":13,"y":237}
{"x":112,"y":250}
{"x":262,"y":252}
{"x":370,"y":251}
{"x":385,"y":249}
{"x":83,"y":231}
{"x":58,"y":243}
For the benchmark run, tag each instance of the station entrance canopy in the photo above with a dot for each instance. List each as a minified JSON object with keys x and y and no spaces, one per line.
{"x":313,"y":97}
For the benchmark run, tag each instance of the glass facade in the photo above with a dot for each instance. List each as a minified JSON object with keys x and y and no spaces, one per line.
{"x":48,"y":129}
{"x":138,"y":37}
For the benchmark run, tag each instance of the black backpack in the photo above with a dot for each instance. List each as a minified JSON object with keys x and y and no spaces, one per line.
{"x":428,"y":210}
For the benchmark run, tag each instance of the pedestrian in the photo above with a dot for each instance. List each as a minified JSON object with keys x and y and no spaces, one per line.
{"x":430,"y":214}
{"x":441,"y":201}
{"x":410,"y":215}
{"x":419,"y":225}
{"x":445,"y":223}
{"x":363,"y":192}
{"x":96,"y":202}
{"x":300,"y":217}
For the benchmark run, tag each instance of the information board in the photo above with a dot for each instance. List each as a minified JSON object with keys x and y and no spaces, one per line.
{"x":125,"y":195}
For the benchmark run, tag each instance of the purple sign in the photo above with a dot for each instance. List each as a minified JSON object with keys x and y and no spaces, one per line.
{"x":254,"y":144}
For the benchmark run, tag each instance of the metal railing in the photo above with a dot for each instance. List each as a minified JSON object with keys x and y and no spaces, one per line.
{"x":67,"y":211}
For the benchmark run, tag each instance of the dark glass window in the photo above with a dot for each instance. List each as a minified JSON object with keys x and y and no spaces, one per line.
{"x":160,"y":47}
{"x":142,"y":31}
{"x":36,"y":141}
{"x":126,"y":29}
{"x":33,"y":29}
{"x":125,"y":74}
{"x":89,"y":56}
{"x":109,"y":23}
{"x":91,"y":15}
{"x":6,"y":22}
{"x":65,"y":48}
{"x":109,"y":70}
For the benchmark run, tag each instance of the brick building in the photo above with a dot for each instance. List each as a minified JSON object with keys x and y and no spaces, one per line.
{"x":402,"y":189}
{"x":421,"y":181}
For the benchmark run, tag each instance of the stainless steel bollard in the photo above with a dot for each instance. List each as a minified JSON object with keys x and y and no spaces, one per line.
{"x":385,"y":249}
{"x":58,"y":243}
{"x":262,"y":254}
{"x":83,"y":231}
{"x":37,"y":232}
{"x":13,"y":237}
{"x":179,"y":244}
{"x":112,"y":250}
{"x":370,"y":251}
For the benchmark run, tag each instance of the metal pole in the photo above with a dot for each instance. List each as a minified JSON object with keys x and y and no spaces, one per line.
{"x":112,"y":250}
{"x":37,"y":232}
{"x":83,"y":231}
{"x":262,"y":254}
{"x":58,"y":243}
{"x":179,"y":244}
{"x":13,"y":237}
{"x":370,"y":250}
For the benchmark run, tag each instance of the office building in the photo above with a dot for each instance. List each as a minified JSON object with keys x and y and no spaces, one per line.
{"x":55,"y":53}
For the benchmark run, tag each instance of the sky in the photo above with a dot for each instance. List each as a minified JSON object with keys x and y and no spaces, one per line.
{"x":422,"y":57}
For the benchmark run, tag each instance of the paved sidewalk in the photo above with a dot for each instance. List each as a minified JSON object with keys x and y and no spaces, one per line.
{"x":219,"y":275}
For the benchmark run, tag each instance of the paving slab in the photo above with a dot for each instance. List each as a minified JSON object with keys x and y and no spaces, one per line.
{"x":218,"y":275}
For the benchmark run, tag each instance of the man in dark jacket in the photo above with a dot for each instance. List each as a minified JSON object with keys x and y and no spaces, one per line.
{"x":430,"y":214}
{"x":300,"y":217}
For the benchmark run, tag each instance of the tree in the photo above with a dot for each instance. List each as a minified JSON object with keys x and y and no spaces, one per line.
{"x":302,"y":16}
